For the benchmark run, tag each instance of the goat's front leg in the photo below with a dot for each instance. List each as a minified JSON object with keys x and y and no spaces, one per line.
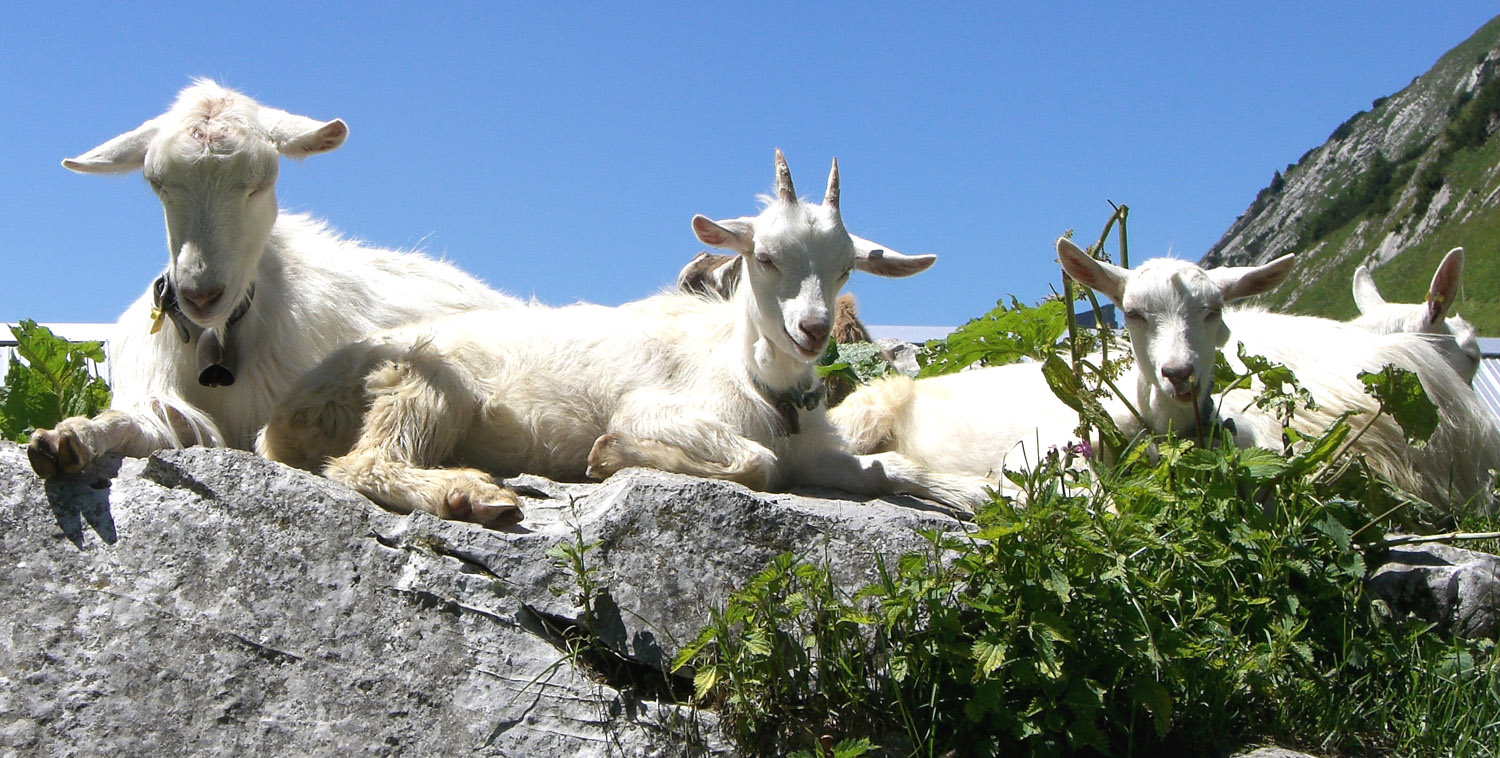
{"x":825,"y":465}
{"x":747,"y":463}
{"x":77,"y":442}
{"x":418,"y":410}
{"x":652,"y":431}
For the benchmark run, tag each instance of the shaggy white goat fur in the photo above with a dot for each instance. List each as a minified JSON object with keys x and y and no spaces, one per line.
{"x":1429,"y":317}
{"x":975,"y":422}
{"x":1452,"y":471}
{"x":690,"y":384}
{"x":212,"y":159}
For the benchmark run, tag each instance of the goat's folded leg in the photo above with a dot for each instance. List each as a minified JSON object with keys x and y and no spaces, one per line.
{"x":459,"y":494}
{"x":748,"y":463}
{"x":410,"y":426}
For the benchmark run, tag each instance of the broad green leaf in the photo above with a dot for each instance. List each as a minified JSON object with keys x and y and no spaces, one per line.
{"x":1066,"y":386}
{"x":1004,"y":335}
{"x":988,"y":656}
{"x":1400,"y":394}
{"x":704,"y":680}
{"x":1262,"y":464}
{"x":1323,"y":447}
{"x":52,"y":379}
{"x":1151,"y":695}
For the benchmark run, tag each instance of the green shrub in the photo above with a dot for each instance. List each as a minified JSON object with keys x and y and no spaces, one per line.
{"x":58,"y":379}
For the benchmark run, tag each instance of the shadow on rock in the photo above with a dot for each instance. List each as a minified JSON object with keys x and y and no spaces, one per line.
{"x":82,"y":498}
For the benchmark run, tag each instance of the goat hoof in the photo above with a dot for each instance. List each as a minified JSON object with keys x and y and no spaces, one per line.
{"x":52,"y":453}
{"x":496,"y":515}
{"x":493,"y":509}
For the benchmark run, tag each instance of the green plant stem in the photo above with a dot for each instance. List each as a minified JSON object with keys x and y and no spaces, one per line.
{"x":1417,"y":539}
{"x":1116,"y":389}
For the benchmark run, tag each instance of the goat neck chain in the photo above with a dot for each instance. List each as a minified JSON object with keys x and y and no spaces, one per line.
{"x":214,"y":354}
{"x":787,"y":401}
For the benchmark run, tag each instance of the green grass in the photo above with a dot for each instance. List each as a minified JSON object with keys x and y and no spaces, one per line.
{"x":1476,"y":229}
{"x":1329,"y":283}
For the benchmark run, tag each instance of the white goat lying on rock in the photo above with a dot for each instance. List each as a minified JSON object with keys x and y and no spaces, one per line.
{"x":685,"y":383}
{"x":1451,"y":471}
{"x":1429,"y":317}
{"x":254,"y":298}
{"x":977,"y":421}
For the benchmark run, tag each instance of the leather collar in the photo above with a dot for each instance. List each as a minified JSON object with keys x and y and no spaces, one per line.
{"x":787,"y":401}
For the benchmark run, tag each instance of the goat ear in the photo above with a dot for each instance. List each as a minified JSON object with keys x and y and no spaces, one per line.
{"x":126,"y":152}
{"x":1237,"y":282}
{"x":736,"y":234}
{"x":300,"y":136}
{"x":883,"y":261}
{"x":1366,"y":296}
{"x":710,"y":274}
{"x":1444,"y":289}
{"x":1091,"y":272}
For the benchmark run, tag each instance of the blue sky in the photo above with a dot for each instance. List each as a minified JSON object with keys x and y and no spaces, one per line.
{"x":560,"y":149}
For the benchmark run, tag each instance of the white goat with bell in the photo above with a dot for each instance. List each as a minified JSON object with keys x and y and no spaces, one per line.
{"x":251,"y":298}
{"x":977,"y":421}
{"x":1429,"y":317}
{"x":425,"y":417}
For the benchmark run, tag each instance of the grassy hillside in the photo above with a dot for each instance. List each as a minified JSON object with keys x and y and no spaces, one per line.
{"x":1395,"y":187}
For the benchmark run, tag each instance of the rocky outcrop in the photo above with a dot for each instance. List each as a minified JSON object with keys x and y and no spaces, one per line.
{"x":1459,"y":590}
{"x":209,"y":602}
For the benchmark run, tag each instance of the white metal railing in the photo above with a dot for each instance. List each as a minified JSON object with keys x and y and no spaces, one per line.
{"x":70,"y":331}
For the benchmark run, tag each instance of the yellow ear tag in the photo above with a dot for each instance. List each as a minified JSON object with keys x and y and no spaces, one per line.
{"x":157,"y":315}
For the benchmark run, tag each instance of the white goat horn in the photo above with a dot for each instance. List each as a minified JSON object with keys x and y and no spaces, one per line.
{"x":831,"y":199}
{"x":784,"y":188}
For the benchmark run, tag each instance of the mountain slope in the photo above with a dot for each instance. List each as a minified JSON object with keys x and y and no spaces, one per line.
{"x":1395,"y":187}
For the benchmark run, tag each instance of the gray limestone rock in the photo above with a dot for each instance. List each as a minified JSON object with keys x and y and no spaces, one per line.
{"x":209,"y":602}
{"x":1457,"y":589}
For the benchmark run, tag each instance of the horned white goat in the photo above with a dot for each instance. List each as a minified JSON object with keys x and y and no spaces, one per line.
{"x":686,"y":383}
{"x":1429,"y":317}
{"x":977,"y":421}
{"x":254,"y":297}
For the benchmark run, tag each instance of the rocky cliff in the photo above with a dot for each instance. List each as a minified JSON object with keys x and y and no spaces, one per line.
{"x":1395,"y":187}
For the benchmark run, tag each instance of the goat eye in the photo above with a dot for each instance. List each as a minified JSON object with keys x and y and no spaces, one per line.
{"x":765,"y":260}
{"x":156,"y":185}
{"x":1134,"y":315}
{"x":1214,"y":315}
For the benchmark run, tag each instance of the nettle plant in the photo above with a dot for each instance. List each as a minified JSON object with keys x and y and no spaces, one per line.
{"x":47,"y":380}
{"x":1187,"y":596}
